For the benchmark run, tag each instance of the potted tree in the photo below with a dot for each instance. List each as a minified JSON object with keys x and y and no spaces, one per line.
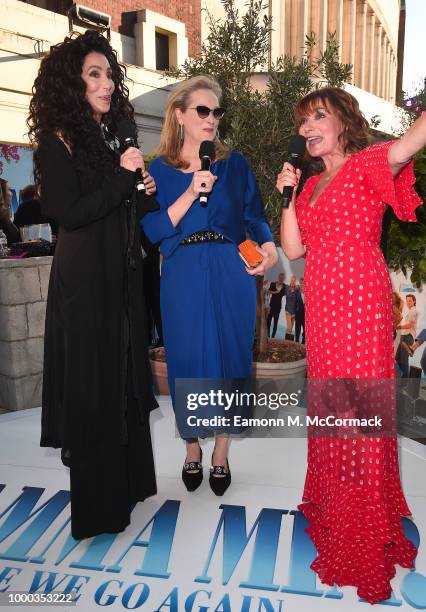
{"x":257,"y":94}
{"x":261,"y":93}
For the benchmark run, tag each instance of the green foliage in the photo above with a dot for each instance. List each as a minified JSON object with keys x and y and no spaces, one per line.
{"x":404,"y":244}
{"x":259,"y":120}
{"x":326,"y":68}
{"x":375,"y":121}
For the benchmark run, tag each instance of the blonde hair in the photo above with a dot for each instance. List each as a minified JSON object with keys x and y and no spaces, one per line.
{"x":170,"y":143}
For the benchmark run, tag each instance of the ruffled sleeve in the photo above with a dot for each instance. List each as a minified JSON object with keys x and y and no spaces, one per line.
{"x":396,"y":191}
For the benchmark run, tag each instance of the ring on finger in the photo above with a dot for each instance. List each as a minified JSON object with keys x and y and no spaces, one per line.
{"x":203,"y":184}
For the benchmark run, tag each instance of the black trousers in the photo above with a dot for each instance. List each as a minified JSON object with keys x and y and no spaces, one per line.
{"x":299,"y":323}
{"x":401,"y":356}
{"x":107,"y":481}
{"x":273,"y":315}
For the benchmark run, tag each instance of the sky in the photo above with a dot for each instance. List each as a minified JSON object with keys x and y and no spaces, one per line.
{"x":415,"y":46}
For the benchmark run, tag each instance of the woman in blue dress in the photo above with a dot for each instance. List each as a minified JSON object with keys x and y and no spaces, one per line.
{"x":208,"y":296}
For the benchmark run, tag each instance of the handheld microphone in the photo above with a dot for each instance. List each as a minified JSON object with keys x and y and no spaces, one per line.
{"x":207,"y":156}
{"x":296,"y":151}
{"x":140,"y":202}
{"x":127,"y":135}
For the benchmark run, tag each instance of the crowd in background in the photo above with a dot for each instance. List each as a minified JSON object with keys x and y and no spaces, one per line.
{"x":28,"y":212}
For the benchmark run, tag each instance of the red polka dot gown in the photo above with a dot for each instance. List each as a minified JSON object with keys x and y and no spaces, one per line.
{"x":352,"y":496}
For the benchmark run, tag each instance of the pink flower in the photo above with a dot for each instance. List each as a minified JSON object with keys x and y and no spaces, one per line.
{"x":9,"y":152}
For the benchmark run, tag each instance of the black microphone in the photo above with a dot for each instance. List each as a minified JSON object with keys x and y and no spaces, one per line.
{"x":207,"y":156}
{"x":127,"y":135}
{"x":296,"y":151}
{"x":140,"y":202}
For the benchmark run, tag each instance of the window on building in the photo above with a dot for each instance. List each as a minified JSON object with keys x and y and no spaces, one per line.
{"x":56,"y":6}
{"x":161,"y":51}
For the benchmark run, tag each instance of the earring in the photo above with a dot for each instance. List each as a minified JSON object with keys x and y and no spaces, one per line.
{"x":181,"y":135}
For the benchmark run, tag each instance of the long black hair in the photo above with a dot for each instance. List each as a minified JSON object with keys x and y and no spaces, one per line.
{"x":59,"y":105}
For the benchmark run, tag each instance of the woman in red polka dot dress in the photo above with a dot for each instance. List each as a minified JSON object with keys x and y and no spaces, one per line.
{"x":352,"y":497}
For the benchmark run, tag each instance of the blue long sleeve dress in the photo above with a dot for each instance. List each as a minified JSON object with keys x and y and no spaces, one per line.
{"x":208,"y":301}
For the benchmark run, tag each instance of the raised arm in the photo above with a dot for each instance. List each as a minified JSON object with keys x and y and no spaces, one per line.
{"x":291,"y":240}
{"x":179,"y":208}
{"x":61,"y":198}
{"x":164,"y":223}
{"x":408,"y":145}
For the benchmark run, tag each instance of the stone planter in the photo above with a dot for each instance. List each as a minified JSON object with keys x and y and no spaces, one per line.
{"x":23,"y":294}
{"x":281,"y":359}
{"x":291,"y":370}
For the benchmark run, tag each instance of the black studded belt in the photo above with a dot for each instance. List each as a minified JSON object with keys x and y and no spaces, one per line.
{"x":204,"y":236}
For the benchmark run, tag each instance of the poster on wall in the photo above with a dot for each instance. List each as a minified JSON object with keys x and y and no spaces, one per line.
{"x":410,"y":353}
{"x":283,"y":292}
{"x":286,"y":280}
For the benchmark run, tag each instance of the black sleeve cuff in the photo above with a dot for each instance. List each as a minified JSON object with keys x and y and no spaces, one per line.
{"x":124,"y":181}
{"x":144,"y":204}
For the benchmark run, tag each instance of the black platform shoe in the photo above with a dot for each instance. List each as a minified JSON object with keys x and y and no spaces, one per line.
{"x":220,"y":478}
{"x":192,"y":473}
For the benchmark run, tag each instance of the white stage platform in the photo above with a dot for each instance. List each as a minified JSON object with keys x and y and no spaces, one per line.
{"x":184,"y":561}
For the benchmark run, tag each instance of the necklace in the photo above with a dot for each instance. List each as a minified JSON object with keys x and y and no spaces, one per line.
{"x":329,"y":175}
{"x":110,"y":140}
{"x":326,"y":177}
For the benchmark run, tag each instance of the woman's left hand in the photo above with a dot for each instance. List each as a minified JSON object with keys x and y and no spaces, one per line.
{"x":270,"y":258}
{"x":150,"y":186}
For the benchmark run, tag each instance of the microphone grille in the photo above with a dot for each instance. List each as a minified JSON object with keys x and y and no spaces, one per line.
{"x":207,"y":149}
{"x":297,"y":145}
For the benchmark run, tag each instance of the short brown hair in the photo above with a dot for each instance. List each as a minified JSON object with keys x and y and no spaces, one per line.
{"x":355,"y":135}
{"x":28,"y":193}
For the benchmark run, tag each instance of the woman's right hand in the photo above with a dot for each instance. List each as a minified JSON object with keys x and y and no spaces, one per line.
{"x":288,"y":177}
{"x":132,"y":159}
{"x":202,"y":182}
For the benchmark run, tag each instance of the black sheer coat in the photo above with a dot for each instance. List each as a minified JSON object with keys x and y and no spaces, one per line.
{"x":95,"y":317}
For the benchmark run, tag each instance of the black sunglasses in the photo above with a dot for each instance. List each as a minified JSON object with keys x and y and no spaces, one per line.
{"x":204,"y":111}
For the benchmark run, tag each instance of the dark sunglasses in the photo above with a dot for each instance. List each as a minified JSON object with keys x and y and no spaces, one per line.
{"x":204,"y":111}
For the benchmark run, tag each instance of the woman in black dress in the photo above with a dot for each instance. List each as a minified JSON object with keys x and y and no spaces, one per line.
{"x":97,"y":391}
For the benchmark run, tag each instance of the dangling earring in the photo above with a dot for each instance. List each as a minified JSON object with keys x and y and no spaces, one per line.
{"x":181,"y":135}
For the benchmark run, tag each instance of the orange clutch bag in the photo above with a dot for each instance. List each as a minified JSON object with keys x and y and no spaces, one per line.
{"x":249,"y":254}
